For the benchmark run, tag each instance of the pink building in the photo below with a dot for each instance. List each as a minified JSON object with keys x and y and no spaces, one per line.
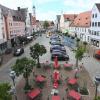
{"x":13,"y":23}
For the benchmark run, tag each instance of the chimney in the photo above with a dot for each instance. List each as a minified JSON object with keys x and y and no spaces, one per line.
{"x":18,"y":8}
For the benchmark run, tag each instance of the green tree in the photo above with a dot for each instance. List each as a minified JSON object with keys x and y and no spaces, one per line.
{"x":24,"y":66}
{"x":79,"y":54}
{"x":46,"y":24}
{"x":36,"y":51}
{"x":97,"y":98}
{"x":4,"y":91}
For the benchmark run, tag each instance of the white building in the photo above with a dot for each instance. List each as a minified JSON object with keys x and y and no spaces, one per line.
{"x":81,"y":25}
{"x":65,"y":21}
{"x":1,"y":25}
{"x":95,"y":26}
{"x":58,"y":22}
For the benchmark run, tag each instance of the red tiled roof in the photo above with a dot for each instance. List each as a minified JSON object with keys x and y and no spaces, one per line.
{"x":69,"y":17}
{"x":82,"y":20}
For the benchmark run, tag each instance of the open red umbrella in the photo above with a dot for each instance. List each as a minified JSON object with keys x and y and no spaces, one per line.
{"x":55,"y":84}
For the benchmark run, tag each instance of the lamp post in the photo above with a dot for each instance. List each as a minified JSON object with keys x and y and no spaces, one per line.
{"x":97,"y":82}
{"x":13,"y":75}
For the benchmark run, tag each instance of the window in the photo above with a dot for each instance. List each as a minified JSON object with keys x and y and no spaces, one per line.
{"x":95,"y":15}
{"x":98,"y":24}
{"x":92,"y":24}
{"x":95,"y":32}
{"x":95,"y":23}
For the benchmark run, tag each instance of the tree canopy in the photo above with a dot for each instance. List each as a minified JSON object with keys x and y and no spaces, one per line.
{"x":36,"y":51}
{"x":46,"y":24}
{"x":4,"y":91}
{"x":24,"y":66}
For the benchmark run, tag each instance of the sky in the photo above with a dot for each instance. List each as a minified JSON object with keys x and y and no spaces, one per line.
{"x":48,"y":9}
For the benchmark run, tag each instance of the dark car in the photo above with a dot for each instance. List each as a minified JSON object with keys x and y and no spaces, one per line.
{"x":29,"y":38}
{"x":60,"y":56}
{"x":18,"y":51}
{"x":54,"y":42}
{"x":63,"y":52}
{"x":57,"y":47}
{"x":57,"y":43}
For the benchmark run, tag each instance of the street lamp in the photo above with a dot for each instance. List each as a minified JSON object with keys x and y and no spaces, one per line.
{"x":13,"y":75}
{"x":97,"y":82}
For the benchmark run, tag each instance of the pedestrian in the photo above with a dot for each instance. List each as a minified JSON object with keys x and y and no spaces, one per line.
{"x":81,"y":66}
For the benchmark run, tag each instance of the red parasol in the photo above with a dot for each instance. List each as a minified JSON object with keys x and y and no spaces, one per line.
{"x":34,"y":93}
{"x":55,"y":84}
{"x":72,"y":81}
{"x":75,"y":95}
{"x":40,"y":78}
{"x":57,"y":97}
{"x":56,"y":75}
{"x":68,"y":65}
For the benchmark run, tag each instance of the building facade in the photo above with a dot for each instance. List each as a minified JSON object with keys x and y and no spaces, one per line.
{"x":81,"y":26}
{"x":95,"y":26}
{"x":12,"y":25}
{"x":58,"y":22}
{"x":65,"y":21}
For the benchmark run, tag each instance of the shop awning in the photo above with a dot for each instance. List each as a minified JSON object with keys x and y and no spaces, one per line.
{"x":55,"y":97}
{"x":34,"y":93}
{"x":75,"y":95}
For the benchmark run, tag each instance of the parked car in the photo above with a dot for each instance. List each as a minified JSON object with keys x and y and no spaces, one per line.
{"x":57,"y":47}
{"x":60,"y":56}
{"x":55,"y":42}
{"x":18,"y":51}
{"x":63,"y":52}
{"x":29,"y":38}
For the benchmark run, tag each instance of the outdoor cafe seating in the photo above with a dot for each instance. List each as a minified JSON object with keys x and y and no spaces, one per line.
{"x":34,"y":94}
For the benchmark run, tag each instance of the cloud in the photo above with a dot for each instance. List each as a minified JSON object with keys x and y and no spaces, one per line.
{"x":13,"y":4}
{"x":80,"y":4}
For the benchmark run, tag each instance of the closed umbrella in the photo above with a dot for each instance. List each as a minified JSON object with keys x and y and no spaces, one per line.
{"x":56,"y":60}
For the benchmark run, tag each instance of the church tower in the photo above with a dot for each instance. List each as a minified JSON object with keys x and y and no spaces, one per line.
{"x":34,"y":13}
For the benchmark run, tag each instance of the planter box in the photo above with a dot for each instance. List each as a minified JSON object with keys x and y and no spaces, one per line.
{"x":86,"y":94}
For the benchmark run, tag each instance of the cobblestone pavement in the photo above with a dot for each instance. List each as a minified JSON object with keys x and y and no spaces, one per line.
{"x":48,"y":86}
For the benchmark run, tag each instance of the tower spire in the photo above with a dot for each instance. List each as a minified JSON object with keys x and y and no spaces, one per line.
{"x":34,"y":13}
